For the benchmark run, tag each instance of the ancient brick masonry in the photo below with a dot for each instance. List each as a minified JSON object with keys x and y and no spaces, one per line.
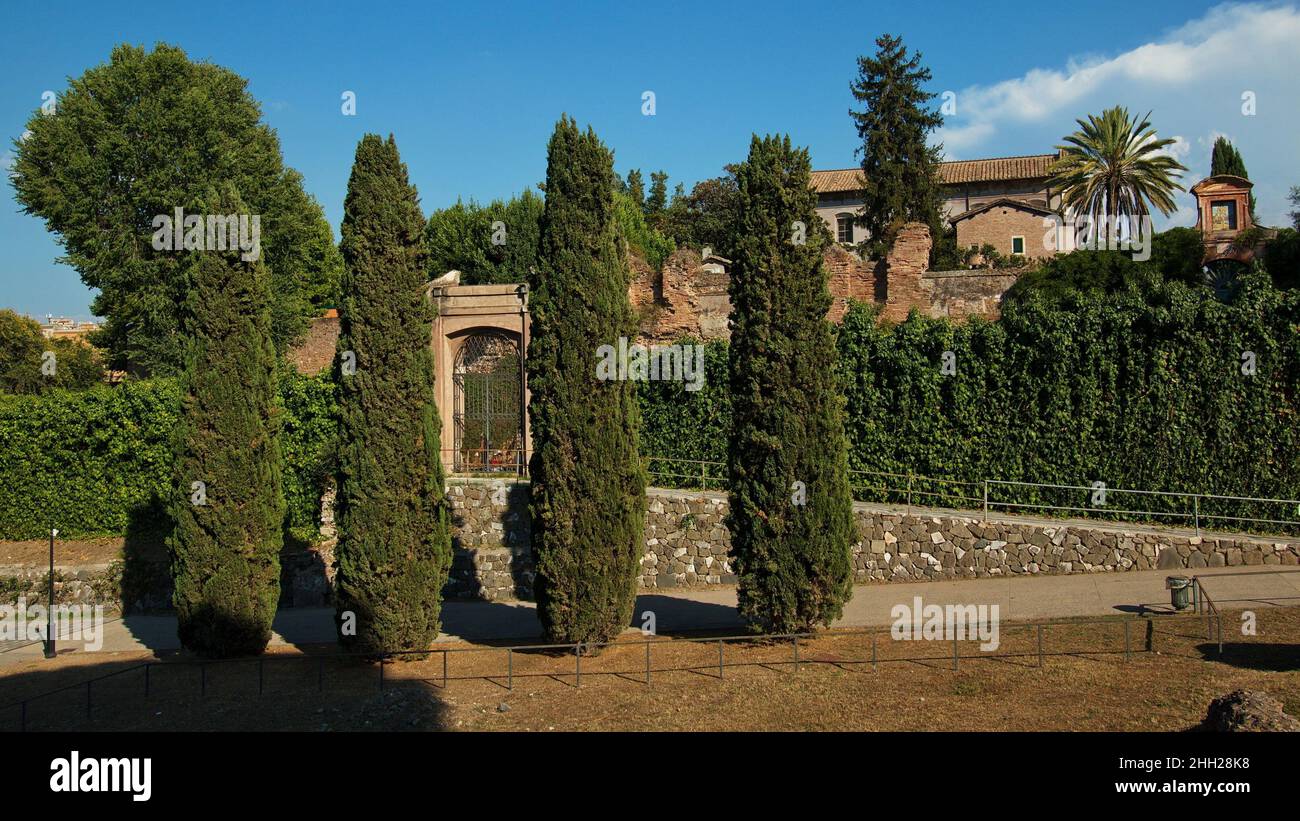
{"x":908,"y":259}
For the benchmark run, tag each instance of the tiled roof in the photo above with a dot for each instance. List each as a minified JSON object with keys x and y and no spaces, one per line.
{"x":993,"y":169}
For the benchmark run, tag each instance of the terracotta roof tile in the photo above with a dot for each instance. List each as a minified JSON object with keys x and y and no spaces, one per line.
{"x":993,"y":169}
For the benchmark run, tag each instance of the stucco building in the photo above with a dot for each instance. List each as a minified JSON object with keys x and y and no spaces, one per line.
{"x":1000,"y":201}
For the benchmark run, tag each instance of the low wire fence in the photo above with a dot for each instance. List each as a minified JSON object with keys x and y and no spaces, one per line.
{"x":855,"y":649}
{"x":1196,"y":511}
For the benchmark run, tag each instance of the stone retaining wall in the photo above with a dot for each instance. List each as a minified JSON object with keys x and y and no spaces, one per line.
{"x":687,"y":545}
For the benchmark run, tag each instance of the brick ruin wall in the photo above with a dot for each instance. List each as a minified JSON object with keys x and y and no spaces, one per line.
{"x":688,"y":296}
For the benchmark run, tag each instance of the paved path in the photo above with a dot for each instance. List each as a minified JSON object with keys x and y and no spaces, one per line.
{"x":1018,"y":598}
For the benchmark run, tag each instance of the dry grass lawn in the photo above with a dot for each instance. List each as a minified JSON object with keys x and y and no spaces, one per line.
{"x":836,"y":688}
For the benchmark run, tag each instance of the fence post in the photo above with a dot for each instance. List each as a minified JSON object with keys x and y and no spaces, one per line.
{"x":510,"y":668}
{"x":796,"y":653}
{"x":444,"y":669}
{"x":909,"y":494}
{"x":647,"y":663}
{"x":577,"y":656}
{"x":1196,"y":513}
{"x":986,"y":500}
{"x":719,"y":659}
{"x":703,"y":472}
{"x":873,"y":650}
{"x":1040,"y":645}
{"x":1126,"y":640}
{"x":954,"y":650}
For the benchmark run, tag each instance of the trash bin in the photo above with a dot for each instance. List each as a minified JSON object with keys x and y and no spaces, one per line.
{"x":1180,"y":591}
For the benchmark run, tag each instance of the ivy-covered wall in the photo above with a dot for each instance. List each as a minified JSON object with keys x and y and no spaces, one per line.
{"x":1167,"y":388}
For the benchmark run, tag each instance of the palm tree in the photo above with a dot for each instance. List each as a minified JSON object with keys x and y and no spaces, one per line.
{"x":1112,"y":167}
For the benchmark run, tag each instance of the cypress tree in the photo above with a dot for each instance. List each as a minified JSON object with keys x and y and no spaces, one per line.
{"x":229,"y":507}
{"x":394,"y":549}
{"x":900,"y":168}
{"x":791,"y":517}
{"x":588,"y":482}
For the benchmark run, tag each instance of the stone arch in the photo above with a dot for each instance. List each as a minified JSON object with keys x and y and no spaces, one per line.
{"x":496,"y":316}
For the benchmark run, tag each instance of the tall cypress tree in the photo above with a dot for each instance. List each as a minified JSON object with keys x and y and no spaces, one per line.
{"x":791,"y":516}
{"x":588,"y":482}
{"x":229,"y":507}
{"x":900,"y":168}
{"x":394,"y":549}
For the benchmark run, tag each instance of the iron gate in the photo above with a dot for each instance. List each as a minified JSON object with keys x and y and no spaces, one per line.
{"x":488,"y":401}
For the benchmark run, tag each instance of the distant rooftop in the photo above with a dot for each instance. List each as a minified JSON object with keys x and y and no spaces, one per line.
{"x":953,"y":172}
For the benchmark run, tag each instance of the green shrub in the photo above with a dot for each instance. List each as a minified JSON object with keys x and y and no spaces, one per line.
{"x":92,"y":462}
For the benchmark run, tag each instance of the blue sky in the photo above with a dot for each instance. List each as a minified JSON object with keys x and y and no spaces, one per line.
{"x":472,"y":93}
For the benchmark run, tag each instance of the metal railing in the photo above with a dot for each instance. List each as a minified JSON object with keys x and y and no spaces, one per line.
{"x":869,"y":650}
{"x":985,"y":496}
{"x":1205,"y":606}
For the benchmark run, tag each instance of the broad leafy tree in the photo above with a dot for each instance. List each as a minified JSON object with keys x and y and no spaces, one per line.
{"x":30,"y":363}
{"x":134,"y":139}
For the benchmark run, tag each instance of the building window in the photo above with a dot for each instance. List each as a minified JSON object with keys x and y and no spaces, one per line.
{"x":1017,"y":245}
{"x":1223,"y":215}
{"x":844,"y":228}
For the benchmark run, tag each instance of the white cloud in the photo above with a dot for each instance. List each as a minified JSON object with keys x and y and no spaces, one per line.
{"x":1191,"y":79}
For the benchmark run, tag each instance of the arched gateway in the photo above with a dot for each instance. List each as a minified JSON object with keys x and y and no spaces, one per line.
{"x":479,"y":341}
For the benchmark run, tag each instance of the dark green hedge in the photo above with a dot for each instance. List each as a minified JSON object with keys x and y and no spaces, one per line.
{"x":93,"y":462}
{"x":1139,"y":389}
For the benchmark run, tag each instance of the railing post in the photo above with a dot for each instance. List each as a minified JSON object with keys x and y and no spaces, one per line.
{"x":577,"y":655}
{"x":796,"y":653}
{"x":703,"y":472}
{"x":954,"y":650}
{"x":1126,"y":640}
{"x":719,"y":659}
{"x":986,"y":500}
{"x":909,"y":494}
{"x":1196,"y":513}
{"x":444,"y":669}
{"x":1040,"y":645}
{"x":510,"y":668}
{"x":873,"y":650}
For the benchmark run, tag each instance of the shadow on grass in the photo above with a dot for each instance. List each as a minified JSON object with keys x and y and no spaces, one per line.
{"x":1267,"y":657}
{"x":307,"y":692}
